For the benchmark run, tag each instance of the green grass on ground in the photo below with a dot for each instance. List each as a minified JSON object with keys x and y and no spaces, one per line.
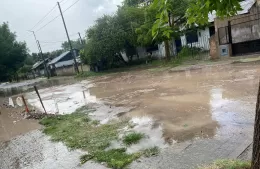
{"x":228,"y":164}
{"x":154,"y":151}
{"x":151,"y":64}
{"x":132,"y":138}
{"x":78,"y":131}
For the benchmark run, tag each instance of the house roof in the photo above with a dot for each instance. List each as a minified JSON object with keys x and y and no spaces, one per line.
{"x":37,"y":64}
{"x":55,"y":60}
{"x":245,"y":5}
{"x":64,"y":63}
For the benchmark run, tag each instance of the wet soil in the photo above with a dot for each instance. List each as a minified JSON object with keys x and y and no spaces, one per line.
{"x":202,"y":102}
{"x":13,"y":122}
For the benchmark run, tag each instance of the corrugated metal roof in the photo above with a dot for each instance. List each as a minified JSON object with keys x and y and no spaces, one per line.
{"x":64,"y":63}
{"x":245,"y":5}
{"x":37,"y":64}
{"x":55,"y":60}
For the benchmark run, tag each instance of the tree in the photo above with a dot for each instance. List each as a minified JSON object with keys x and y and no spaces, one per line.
{"x":75,"y":45}
{"x":12,"y":53}
{"x":105,"y":43}
{"x":170,"y":16}
{"x":256,"y":141}
{"x":198,"y":13}
{"x":130,"y":18}
{"x":51,"y":55}
{"x":133,"y":3}
{"x":112,"y":35}
{"x":199,"y":9}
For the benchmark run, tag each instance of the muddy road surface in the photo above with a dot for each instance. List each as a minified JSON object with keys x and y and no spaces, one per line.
{"x":203,"y":102}
{"x":12,"y":121}
{"x":194,"y":115}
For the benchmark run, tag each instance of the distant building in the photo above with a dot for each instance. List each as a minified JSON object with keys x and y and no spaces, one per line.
{"x":64,"y":64}
{"x":239,"y":34}
{"x":38,"y":68}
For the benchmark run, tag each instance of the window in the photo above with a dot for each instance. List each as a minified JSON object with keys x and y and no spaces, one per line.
{"x":192,"y":37}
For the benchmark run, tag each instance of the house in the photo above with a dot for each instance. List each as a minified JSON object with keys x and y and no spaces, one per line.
{"x":38,"y":68}
{"x":64,"y":64}
{"x":240,"y":34}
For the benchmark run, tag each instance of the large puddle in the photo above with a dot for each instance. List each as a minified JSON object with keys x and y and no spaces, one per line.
{"x":192,"y":104}
{"x":167,"y":107}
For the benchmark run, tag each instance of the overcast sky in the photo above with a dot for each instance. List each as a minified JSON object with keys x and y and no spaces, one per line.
{"x":22,"y":15}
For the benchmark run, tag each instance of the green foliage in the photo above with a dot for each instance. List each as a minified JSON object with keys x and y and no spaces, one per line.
{"x":112,"y":35}
{"x":76,"y":44}
{"x":189,"y":51}
{"x":37,"y":56}
{"x":169,"y":17}
{"x":90,"y":74}
{"x":105,"y":42}
{"x":132,"y":138}
{"x":12,"y":53}
{"x":228,"y":164}
{"x":116,"y":158}
{"x":151,"y":152}
{"x":199,"y":9}
{"x":144,"y":31}
{"x":77,"y":131}
{"x":134,"y":3}
{"x":25,"y":69}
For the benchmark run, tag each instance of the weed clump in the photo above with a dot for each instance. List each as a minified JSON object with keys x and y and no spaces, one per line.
{"x":132,"y":138}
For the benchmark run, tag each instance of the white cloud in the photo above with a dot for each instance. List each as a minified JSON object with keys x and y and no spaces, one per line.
{"x":25,"y":14}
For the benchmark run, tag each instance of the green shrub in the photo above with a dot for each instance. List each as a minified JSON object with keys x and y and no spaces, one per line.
{"x":189,"y":51}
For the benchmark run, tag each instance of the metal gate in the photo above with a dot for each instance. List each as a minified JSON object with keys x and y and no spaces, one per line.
{"x":244,"y":35}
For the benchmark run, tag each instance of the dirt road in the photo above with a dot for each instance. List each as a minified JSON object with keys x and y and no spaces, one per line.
{"x":190,"y":103}
{"x":13,"y":123}
{"x":204,"y":113}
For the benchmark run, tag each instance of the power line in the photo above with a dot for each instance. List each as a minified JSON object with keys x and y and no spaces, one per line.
{"x":41,"y":20}
{"x":57,"y":16}
{"x":47,"y":23}
{"x":61,"y":2}
{"x":60,"y":40}
{"x":71,"y":6}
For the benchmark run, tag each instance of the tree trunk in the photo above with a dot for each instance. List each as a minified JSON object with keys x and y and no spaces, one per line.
{"x":167,"y":49}
{"x":256,"y":142}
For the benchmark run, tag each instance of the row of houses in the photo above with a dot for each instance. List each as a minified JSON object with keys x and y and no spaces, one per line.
{"x":233,"y":36}
{"x":61,"y":65}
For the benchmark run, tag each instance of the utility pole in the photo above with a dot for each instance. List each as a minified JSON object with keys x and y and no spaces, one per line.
{"x":81,"y":39}
{"x":71,"y":49}
{"x":40,"y":51}
{"x":44,"y":63}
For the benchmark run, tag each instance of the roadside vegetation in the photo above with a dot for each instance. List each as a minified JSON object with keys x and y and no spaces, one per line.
{"x":228,"y":164}
{"x":184,"y":57}
{"x":78,"y":131}
{"x":132,"y":138}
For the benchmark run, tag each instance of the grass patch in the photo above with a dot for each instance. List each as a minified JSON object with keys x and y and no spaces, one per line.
{"x":228,"y":164}
{"x":151,"y":152}
{"x":132,"y":138}
{"x":90,"y":74}
{"x":78,"y":131}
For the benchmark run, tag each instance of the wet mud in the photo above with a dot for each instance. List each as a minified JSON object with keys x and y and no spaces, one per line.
{"x":13,"y":121}
{"x":198,"y":103}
